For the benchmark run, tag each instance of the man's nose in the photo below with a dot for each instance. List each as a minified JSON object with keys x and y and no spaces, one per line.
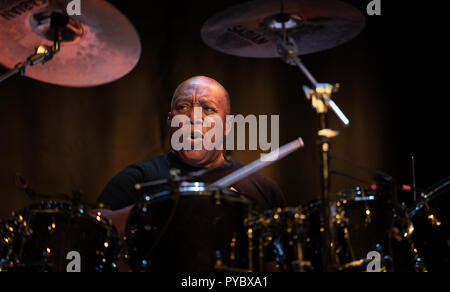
{"x":196,"y":116}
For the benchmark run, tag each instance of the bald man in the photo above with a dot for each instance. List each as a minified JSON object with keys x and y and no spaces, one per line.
{"x":213,"y":99}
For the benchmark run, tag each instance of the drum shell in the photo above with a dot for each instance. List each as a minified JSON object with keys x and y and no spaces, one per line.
{"x":206,"y":232}
{"x":366,"y":218}
{"x":291,"y":237}
{"x":4,"y":246}
{"x":431,"y":237}
{"x":42,"y":235}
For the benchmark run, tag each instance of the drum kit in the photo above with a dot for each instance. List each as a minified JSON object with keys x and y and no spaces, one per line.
{"x":194,"y":224}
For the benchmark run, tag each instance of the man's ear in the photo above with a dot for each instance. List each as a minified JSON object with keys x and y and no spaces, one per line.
{"x":169,"y":118}
{"x":229,"y":124}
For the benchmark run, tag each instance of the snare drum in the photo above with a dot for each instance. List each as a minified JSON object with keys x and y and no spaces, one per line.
{"x":40,"y":238}
{"x":193,"y":228}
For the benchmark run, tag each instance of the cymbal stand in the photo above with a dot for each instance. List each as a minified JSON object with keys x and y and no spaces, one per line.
{"x":43,"y":53}
{"x":320,"y":97}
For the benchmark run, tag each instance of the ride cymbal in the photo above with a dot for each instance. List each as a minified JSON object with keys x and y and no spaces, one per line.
{"x":253,"y":29}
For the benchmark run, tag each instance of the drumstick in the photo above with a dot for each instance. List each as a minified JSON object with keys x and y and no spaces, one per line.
{"x":256,"y":165}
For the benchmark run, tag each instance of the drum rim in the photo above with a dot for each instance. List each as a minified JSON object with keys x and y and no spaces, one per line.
{"x":351,"y":195}
{"x":194,"y":189}
{"x":437,"y":189}
{"x":61,"y":206}
{"x":52,"y":207}
{"x":427,"y":197}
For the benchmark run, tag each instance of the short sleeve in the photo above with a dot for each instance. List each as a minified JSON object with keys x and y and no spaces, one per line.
{"x":119,"y":192}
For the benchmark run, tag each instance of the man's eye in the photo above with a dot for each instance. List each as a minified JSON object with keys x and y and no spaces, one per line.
{"x":181,"y":107}
{"x":209,"y":109}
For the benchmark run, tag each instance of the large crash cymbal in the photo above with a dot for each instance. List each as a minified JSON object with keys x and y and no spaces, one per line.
{"x":99,"y":46}
{"x":252,"y":29}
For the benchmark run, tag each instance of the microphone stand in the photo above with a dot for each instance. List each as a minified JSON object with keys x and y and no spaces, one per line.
{"x":320,"y":97}
{"x":43,"y":53}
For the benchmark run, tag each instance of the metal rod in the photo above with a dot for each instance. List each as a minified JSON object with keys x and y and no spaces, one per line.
{"x":329,"y":258}
{"x":9,"y":74}
{"x":291,"y":52}
{"x":283,"y":29}
{"x":302,"y":67}
{"x":151,"y":184}
{"x":338,"y":112}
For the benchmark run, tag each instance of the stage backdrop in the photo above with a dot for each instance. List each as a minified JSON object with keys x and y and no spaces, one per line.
{"x":394,"y":86}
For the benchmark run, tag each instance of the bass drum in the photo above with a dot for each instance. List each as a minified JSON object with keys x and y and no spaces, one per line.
{"x":43,"y":237}
{"x":194,"y":228}
{"x":430,"y":217}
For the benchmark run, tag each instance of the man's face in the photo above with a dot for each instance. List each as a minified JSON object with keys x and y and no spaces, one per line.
{"x":210,"y":96}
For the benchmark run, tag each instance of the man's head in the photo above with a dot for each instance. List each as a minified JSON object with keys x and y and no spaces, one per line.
{"x":209,"y":95}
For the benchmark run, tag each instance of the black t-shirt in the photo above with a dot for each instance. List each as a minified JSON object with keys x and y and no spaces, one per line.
{"x":119,"y":192}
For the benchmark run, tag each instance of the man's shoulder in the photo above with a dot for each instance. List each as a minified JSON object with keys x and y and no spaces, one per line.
{"x":155,"y":161}
{"x":152,"y":168}
{"x":265,"y":183}
{"x":259,"y":178}
{"x":263,"y":190}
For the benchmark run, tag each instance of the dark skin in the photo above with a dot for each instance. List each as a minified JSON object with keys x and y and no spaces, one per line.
{"x":211,"y":97}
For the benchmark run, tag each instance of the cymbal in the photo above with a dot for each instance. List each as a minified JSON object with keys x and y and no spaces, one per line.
{"x":99,"y":46}
{"x":252,"y":29}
